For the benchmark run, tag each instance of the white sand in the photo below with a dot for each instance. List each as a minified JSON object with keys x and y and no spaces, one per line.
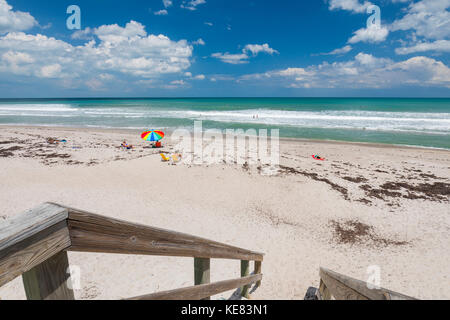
{"x":288,"y":216}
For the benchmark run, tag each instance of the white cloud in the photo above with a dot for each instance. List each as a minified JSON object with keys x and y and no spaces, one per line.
{"x":257,"y":48}
{"x":176,"y":84}
{"x":369,"y":60}
{"x":106,"y":76}
{"x":438,"y":45}
{"x":199,"y":42}
{"x":364,"y":71}
{"x":51,"y":71}
{"x":192,"y":5}
{"x":47,"y":26}
{"x":294,"y":72}
{"x":343,"y":50}
{"x":95,"y":84}
{"x":428,"y":18}
{"x":11,"y":21}
{"x":349,"y":5}
{"x":86,"y":34}
{"x":16,"y":58}
{"x":239,"y":58}
{"x":114,"y":33}
{"x":423,"y":70}
{"x":127,"y":50}
{"x":162,"y":12}
{"x":209,"y":24}
{"x":167,"y":3}
{"x":372,"y":34}
{"x":221,"y":77}
{"x":197,"y":77}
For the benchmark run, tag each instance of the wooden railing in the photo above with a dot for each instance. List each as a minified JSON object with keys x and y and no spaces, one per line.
{"x":35,"y":244}
{"x":341,"y":287}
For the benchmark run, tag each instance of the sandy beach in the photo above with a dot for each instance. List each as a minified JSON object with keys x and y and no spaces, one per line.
{"x":366,"y":205}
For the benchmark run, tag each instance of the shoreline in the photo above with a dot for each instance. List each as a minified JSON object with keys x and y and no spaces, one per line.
{"x":285,"y":139}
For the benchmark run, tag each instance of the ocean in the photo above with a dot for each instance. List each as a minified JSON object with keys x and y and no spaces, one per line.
{"x":414,"y":122}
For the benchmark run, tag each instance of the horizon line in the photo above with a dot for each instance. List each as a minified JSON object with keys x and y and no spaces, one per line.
{"x":231,"y":97}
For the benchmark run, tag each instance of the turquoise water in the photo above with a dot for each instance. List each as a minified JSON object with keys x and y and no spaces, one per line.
{"x":419,"y":122}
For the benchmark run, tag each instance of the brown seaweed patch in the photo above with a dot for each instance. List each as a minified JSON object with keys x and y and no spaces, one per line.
{"x":379,"y":193}
{"x":430,"y":176}
{"x":364,"y":200}
{"x":438,"y":191}
{"x":92,"y":162}
{"x":355,"y":232}
{"x":315,"y":176}
{"x":5,"y":154}
{"x":9,"y":152}
{"x":11,"y":149}
{"x":73,"y":162}
{"x":55,"y":156}
{"x":356,"y":179}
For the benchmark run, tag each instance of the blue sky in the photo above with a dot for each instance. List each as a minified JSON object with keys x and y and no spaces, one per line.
{"x":178,"y":48}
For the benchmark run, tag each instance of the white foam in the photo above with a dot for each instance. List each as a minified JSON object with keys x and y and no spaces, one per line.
{"x":420,"y":122}
{"x":38,"y":107}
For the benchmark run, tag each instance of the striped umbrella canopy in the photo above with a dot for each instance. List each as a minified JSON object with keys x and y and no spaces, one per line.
{"x":154,"y":135}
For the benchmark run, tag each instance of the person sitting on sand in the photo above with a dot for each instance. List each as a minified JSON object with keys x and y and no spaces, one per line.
{"x":157,"y":144}
{"x":126,"y":145}
{"x":52,"y":141}
{"x":55,"y":141}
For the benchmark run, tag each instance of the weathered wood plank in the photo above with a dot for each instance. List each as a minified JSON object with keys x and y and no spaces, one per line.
{"x":324,"y":293}
{"x":49,"y":280}
{"x":337,"y":289}
{"x":258,"y":269}
{"x":29,"y":223}
{"x":201,"y":291}
{"x":245,"y":271}
{"x":202,"y":273}
{"x":347,"y":288}
{"x":30,"y":252}
{"x":94,"y":233}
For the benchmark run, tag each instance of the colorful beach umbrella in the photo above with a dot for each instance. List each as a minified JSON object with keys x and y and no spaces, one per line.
{"x":154,"y":135}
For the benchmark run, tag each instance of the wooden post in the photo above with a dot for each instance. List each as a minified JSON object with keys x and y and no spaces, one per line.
{"x":324,"y":292}
{"x":202,"y":274}
{"x":258,"y":270}
{"x":342,"y":287}
{"x":245,"y":271}
{"x":49,"y":280}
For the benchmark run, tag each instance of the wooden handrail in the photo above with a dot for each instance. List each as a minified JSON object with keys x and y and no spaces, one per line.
{"x":201,"y":291}
{"x":31,"y":238}
{"x":94,"y":233}
{"x":29,"y":223}
{"x":34,"y":244}
{"x":342,"y":287}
